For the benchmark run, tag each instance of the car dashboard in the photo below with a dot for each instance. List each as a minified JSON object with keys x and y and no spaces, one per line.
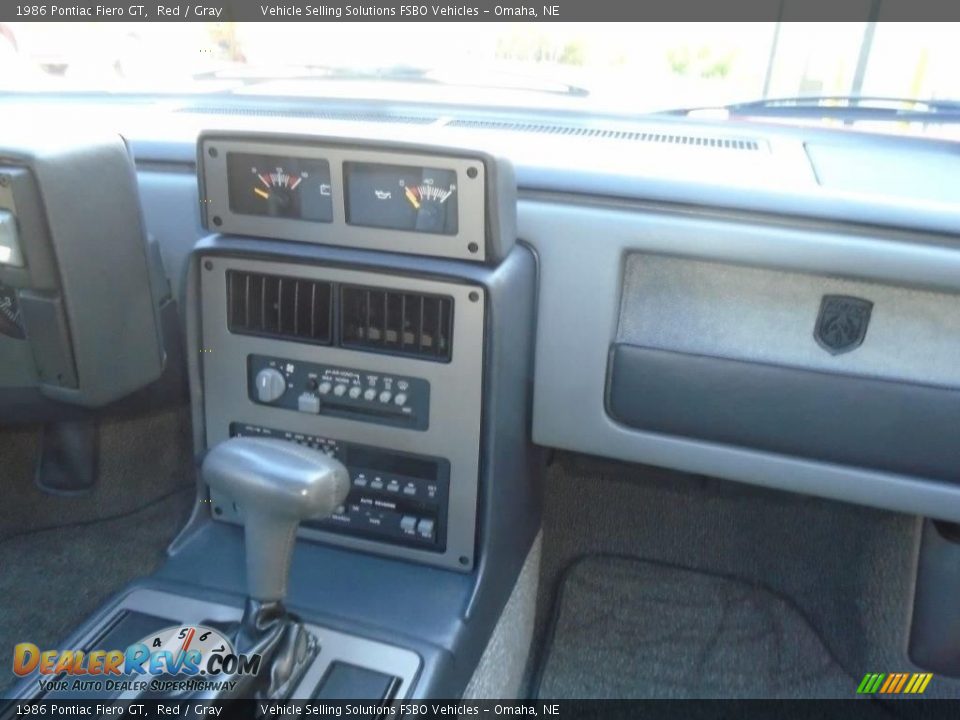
{"x":438,"y":310}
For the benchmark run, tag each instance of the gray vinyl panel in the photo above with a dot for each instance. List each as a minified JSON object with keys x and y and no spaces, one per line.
{"x":17,"y":366}
{"x":743,"y":313}
{"x":455,"y":395}
{"x":583,"y":251}
{"x":184,"y":610}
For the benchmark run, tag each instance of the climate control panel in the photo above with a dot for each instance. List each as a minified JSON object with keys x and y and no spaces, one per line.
{"x":394,"y":497}
{"x":318,"y":389}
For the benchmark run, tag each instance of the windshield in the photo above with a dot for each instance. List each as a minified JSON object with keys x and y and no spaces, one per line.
{"x":619,"y":68}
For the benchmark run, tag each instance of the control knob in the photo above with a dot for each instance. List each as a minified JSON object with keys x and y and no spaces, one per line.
{"x":271,"y":384}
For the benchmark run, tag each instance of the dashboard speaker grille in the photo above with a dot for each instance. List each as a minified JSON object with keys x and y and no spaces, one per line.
{"x":725,"y":143}
{"x":395,"y":322}
{"x":279,"y":307}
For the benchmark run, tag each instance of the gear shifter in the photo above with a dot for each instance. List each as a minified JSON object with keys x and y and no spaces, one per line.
{"x":276,"y":484}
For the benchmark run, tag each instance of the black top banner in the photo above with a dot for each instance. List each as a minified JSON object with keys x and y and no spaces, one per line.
{"x":479,"y":10}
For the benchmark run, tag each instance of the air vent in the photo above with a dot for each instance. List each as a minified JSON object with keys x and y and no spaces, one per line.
{"x":279,"y":307}
{"x":369,"y":117}
{"x":395,"y":322}
{"x":603,"y":133}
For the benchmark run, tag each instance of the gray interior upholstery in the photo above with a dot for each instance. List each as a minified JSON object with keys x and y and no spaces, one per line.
{"x":62,"y":557}
{"x":501,"y":671}
{"x":629,"y":628}
{"x":763,"y":315}
{"x":848,"y":570}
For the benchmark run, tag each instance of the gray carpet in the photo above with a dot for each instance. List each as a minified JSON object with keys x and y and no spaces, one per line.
{"x":847,"y":569}
{"x":632,"y":629}
{"x":140,"y":459}
{"x":54,"y":579}
{"x":61,"y":557}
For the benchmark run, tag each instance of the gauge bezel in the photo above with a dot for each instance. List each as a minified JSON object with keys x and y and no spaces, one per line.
{"x":242,"y":161}
{"x":469,"y":243}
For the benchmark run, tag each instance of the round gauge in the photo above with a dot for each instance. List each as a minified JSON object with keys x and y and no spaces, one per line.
{"x":398,"y":197}
{"x":429,"y":201}
{"x":277,"y":188}
{"x":295,"y":188}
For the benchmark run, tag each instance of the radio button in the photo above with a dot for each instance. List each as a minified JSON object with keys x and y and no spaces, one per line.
{"x":408,"y":524}
{"x":324,"y":387}
{"x":400,"y":399}
{"x":425,"y":529}
{"x":339,"y":390}
{"x":369,"y":394}
{"x":309,"y":403}
{"x":355,"y":392}
{"x":385,"y":396}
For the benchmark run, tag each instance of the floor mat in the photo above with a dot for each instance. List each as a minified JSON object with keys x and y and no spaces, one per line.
{"x":54,"y":579}
{"x":626,"y":628}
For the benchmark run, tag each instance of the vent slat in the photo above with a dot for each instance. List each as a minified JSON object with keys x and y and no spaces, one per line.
{"x":396,"y":322}
{"x":275,"y":306}
{"x":403,"y":321}
{"x":246,"y":302}
{"x":296,"y":307}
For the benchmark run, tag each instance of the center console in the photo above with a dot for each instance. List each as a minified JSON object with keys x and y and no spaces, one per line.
{"x":382,"y":370}
{"x":402,"y":414}
{"x":362,"y":306}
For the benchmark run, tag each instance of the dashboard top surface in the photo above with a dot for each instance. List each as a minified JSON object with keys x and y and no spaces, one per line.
{"x":871,"y":179}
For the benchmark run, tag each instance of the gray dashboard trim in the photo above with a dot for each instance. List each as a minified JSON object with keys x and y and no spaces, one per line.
{"x":582,"y":252}
{"x":813,"y":202}
{"x":455,"y":407}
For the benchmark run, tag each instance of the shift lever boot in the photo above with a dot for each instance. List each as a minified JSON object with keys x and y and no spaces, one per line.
{"x":276,"y":485}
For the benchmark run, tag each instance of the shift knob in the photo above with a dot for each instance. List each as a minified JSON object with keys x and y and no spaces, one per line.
{"x":276,"y":484}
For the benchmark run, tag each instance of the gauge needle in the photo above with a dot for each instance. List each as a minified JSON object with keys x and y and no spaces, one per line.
{"x":411,"y":197}
{"x":261,"y":193}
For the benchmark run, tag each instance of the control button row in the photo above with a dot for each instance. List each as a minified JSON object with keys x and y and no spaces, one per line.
{"x":417,"y":526}
{"x":395,"y":485}
{"x":383,"y":521}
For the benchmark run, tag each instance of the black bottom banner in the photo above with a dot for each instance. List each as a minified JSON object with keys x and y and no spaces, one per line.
{"x":853,"y":709}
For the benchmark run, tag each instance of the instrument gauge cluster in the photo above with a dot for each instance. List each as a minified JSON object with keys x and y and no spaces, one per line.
{"x":375,"y":195}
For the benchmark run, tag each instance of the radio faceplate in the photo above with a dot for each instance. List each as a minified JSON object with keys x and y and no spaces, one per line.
{"x":447,"y":395}
{"x":394,"y":497}
{"x":349,"y":393}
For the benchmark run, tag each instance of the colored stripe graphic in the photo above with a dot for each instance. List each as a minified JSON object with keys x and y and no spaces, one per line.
{"x":870,"y":683}
{"x":894,"y":683}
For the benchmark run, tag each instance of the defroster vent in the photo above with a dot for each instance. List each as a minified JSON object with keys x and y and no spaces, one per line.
{"x":279,"y":307}
{"x":396,"y":322}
